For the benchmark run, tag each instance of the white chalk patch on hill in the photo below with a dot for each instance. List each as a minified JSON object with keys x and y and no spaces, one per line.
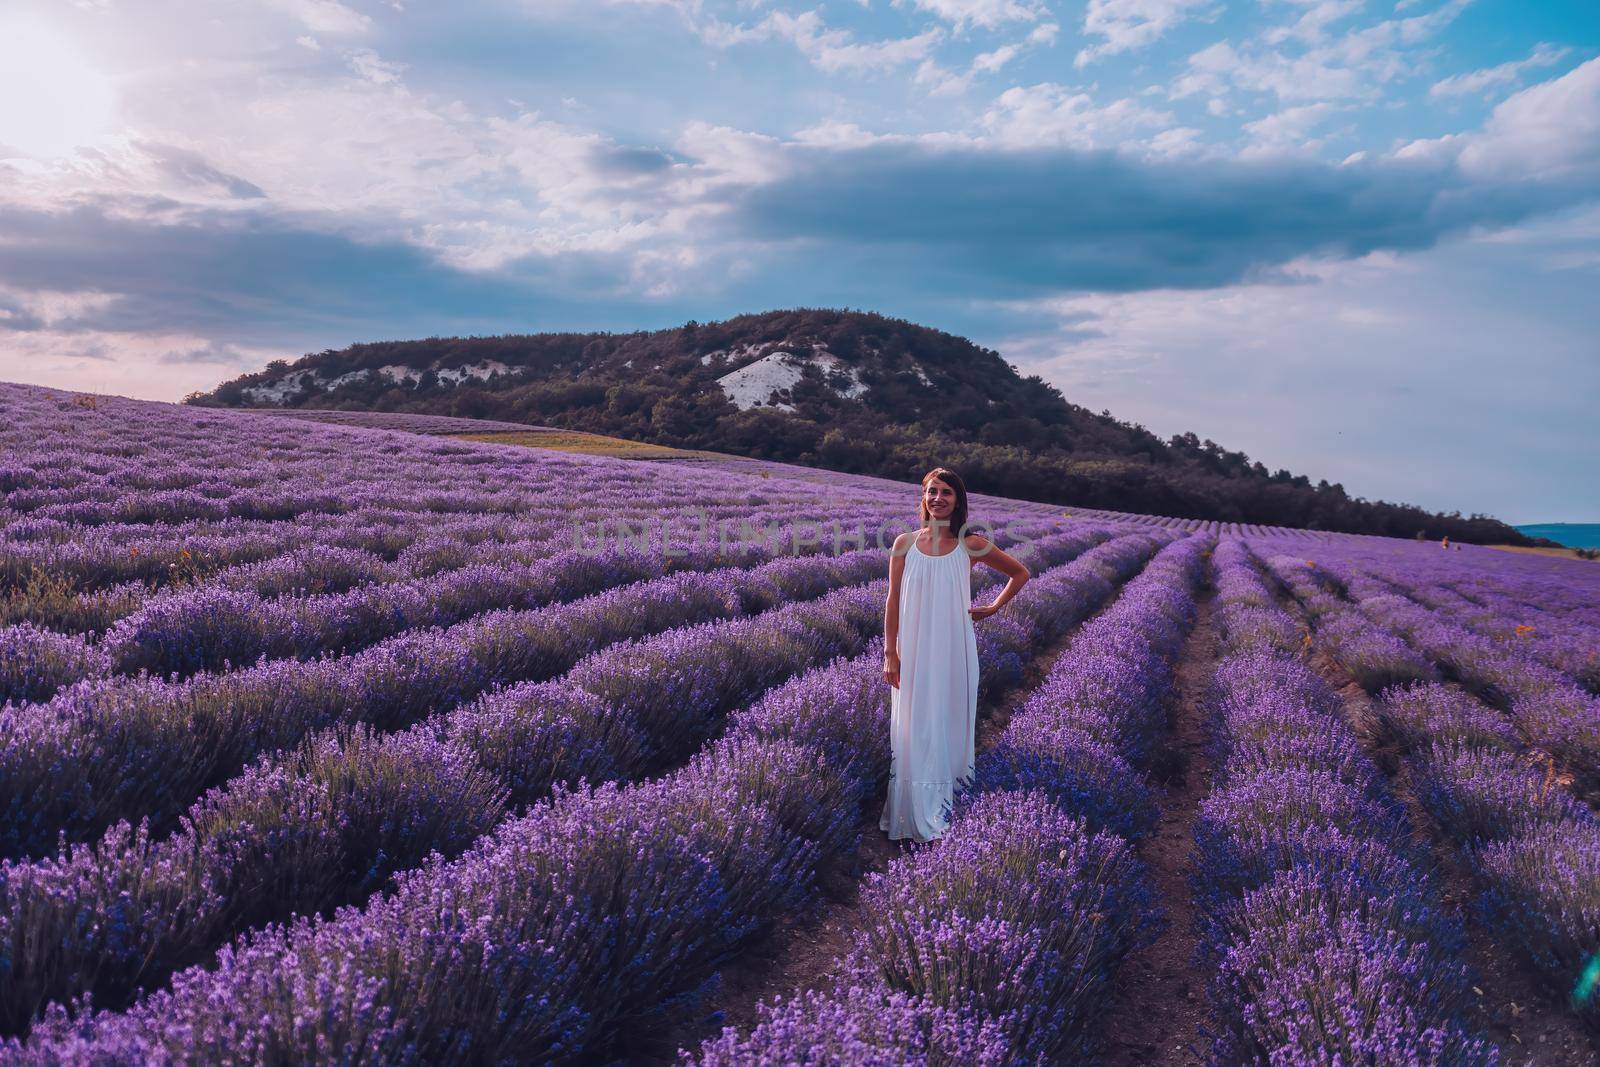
{"x":277,"y":392}
{"x":753,"y":384}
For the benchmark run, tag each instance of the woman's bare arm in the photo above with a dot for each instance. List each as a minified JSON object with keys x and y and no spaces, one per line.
{"x":1017,"y":574}
{"x":891,"y":611}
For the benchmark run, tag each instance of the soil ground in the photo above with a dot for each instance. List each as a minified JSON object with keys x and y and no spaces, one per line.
{"x":593,"y":444}
{"x":1159,"y":1005}
{"x":1558,"y":553}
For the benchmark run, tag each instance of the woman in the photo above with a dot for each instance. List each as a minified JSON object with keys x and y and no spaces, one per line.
{"x":931,"y":657}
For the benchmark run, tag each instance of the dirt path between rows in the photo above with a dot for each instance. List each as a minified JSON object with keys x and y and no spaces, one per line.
{"x":802,"y":952}
{"x":1159,"y":1003}
{"x":1515,"y":1010}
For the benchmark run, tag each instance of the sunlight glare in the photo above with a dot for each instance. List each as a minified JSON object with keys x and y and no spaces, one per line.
{"x":51,"y":98}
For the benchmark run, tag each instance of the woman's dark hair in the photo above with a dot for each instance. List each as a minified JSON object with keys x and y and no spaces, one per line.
{"x":958,"y":517}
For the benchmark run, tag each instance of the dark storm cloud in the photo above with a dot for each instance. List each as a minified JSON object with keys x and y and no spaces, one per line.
{"x":1017,"y":224}
{"x":258,"y":277}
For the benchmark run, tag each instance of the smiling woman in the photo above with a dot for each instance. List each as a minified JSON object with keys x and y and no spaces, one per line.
{"x":931,"y":657}
{"x":51,"y":98}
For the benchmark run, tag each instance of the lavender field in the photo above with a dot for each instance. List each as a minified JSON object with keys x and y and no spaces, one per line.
{"x":328,"y":743}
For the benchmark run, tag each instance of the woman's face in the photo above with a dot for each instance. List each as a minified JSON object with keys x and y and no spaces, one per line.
{"x":939,"y":498}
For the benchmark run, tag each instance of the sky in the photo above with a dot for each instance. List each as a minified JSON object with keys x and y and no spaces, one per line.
{"x":1359,"y":239}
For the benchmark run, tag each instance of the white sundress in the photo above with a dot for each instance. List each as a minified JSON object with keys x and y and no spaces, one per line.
{"x":933,"y":711}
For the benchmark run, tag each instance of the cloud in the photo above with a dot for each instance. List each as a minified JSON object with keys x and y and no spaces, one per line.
{"x":828,"y":49}
{"x":941,"y":81}
{"x":987,"y":224}
{"x":1286,"y":131}
{"x":1131,"y":24}
{"x":324,"y":16}
{"x":1046,"y":191}
{"x":359,"y":153}
{"x":741,"y":157}
{"x":1315,"y":76}
{"x":367,"y":157}
{"x":1050,"y":114}
{"x":627,"y":160}
{"x":1545,"y":135}
{"x":996,"y":58}
{"x":986,"y":13}
{"x":1353,"y":66}
{"x":30,"y":309}
{"x":1543,"y":55}
{"x":216,"y":354}
{"x":368,"y":64}
{"x":1313,"y":23}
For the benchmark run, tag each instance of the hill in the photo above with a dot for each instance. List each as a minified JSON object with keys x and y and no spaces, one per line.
{"x":843,"y":390}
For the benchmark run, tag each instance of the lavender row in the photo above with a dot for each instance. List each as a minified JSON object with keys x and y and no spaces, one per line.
{"x":584,"y":919}
{"x":154,"y":555}
{"x":36,"y":663}
{"x":1323,"y":921}
{"x":412,"y":539}
{"x":320,"y":555}
{"x":1091,"y":729}
{"x":1552,"y":712}
{"x":1533,"y":850}
{"x":1249,"y":617}
{"x":124,"y":748}
{"x":1522,"y":604}
{"x":211,"y":628}
{"x":1563,"y":644}
{"x":313,"y":474}
{"x":1373,"y":656}
{"x":998,"y":943}
{"x":1563,"y":591}
{"x":126,"y":462}
{"x":996,"y":932}
{"x":304,"y":851}
{"x":320,"y":552}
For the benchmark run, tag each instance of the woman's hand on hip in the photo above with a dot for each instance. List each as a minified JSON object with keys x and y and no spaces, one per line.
{"x":981,"y":611}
